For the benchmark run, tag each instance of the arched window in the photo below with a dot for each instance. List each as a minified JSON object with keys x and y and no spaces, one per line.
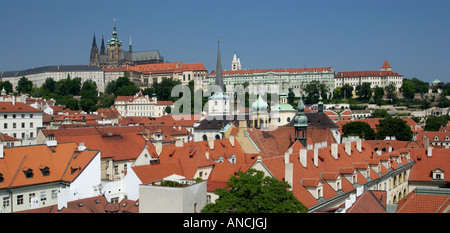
{"x":217,"y":137}
{"x":205,"y":138}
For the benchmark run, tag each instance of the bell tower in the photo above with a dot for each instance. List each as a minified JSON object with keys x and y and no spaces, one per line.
{"x":114,"y":49}
{"x":301,"y":123}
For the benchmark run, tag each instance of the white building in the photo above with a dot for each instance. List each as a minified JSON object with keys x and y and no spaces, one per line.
{"x":45,"y":175}
{"x":38,"y":75}
{"x":141,"y":105}
{"x":20,"y":121}
{"x":381,"y":78}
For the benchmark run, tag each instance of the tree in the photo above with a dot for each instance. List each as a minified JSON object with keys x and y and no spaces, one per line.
{"x":378,"y":93}
{"x":313,"y":90}
{"x":364,"y":91}
{"x":49,"y":85}
{"x":164,"y":89}
{"x":347,"y":91}
{"x":380,"y":113}
{"x":252,"y":192}
{"x":88,"y":96}
{"x":358,"y":128}
{"x":122,"y":87}
{"x":433,"y":123}
{"x":390,"y":91}
{"x":7,"y":86}
{"x":408,"y":89}
{"x":24,"y":85}
{"x":394,"y":126}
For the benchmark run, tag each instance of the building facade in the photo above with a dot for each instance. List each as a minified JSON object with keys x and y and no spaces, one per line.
{"x":271,"y":79}
{"x":20,"y":121}
{"x":381,"y":78}
{"x":141,"y":105}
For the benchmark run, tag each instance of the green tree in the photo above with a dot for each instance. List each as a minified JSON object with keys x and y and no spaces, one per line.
{"x":24,"y":85}
{"x":433,"y":123}
{"x":394,"y":126}
{"x":408,"y":89}
{"x":347,"y":91}
{"x":7,"y":86}
{"x":337,"y":93}
{"x":252,"y":192}
{"x":164,"y":89}
{"x":49,"y":85}
{"x":390,"y":91}
{"x":380,"y":113}
{"x":313,"y":90}
{"x":87,"y":105}
{"x":358,"y":128}
{"x":364,"y":91}
{"x":378,"y":93}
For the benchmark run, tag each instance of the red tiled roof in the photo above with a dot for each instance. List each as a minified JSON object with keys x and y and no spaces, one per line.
{"x":421,"y":171}
{"x":18,"y":159}
{"x":423,"y":203}
{"x":370,"y":201}
{"x":371,"y":73}
{"x":386,"y":64}
{"x":17,"y":107}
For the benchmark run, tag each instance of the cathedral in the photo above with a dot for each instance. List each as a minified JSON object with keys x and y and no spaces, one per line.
{"x":113,"y":56}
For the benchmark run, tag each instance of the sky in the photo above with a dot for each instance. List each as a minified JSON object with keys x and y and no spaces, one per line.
{"x":346,"y":35}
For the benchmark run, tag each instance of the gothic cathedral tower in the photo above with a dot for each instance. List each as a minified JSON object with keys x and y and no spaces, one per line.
{"x":114,"y":49}
{"x":94,"y":61}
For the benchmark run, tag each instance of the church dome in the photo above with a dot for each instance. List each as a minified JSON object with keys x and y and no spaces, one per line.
{"x":259,"y":105}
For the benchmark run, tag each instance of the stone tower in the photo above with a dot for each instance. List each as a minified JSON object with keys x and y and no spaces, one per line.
{"x":94,"y":61}
{"x":236,"y":63}
{"x":114,"y":49}
{"x":103,"y":49}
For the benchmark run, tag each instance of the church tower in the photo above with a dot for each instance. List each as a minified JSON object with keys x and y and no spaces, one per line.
{"x":236,"y":63}
{"x":114,"y":49}
{"x":94,"y":61}
{"x":102,"y":49}
{"x":219,"y":102}
{"x":301,"y":123}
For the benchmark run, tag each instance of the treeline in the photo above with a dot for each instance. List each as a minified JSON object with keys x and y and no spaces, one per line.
{"x":76,"y":95}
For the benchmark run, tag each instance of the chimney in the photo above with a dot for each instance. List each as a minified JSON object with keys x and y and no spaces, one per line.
{"x":81,"y":146}
{"x":158,"y":147}
{"x":358,"y":144}
{"x":303,"y":157}
{"x":426,"y":142}
{"x":348,"y":147}
{"x":289,"y":173}
{"x":334,"y":150}
{"x":316,"y":157}
{"x":1,"y":151}
{"x":211,"y":143}
{"x":179,"y":143}
{"x":14,"y":100}
{"x":231,"y":139}
{"x":207,"y":155}
{"x":429,"y":151}
{"x":359,"y":190}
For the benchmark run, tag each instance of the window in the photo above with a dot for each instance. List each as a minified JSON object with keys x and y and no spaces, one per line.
{"x":23,"y":125}
{"x":22,"y":115}
{"x":19,"y":199}
{"x":31,"y":115}
{"x":30,"y":196}
{"x":31,"y":124}
{"x":5,"y":126}
{"x":5,"y":201}
{"x":14,"y":125}
{"x":54,"y":194}
{"x":43,"y":195}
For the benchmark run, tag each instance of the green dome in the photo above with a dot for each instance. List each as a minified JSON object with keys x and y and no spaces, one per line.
{"x":259,"y":105}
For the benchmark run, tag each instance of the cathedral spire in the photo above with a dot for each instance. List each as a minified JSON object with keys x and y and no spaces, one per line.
{"x":102,"y":48}
{"x":219,"y":79}
{"x":94,"y":60}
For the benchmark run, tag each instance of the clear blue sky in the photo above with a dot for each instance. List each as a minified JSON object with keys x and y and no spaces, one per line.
{"x":347,"y":35}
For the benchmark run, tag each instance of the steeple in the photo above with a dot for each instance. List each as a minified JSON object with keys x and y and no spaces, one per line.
{"x":301,"y":123}
{"x":102,"y":48}
{"x":386,"y":66}
{"x":130,"y":47}
{"x":320,"y":104}
{"x":94,"y":60}
{"x":219,"y":79}
{"x":114,"y":39}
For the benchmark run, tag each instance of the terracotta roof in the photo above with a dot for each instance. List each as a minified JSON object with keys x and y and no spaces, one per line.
{"x":17,"y":107}
{"x":326,"y":169}
{"x":425,"y":202}
{"x":370,"y":201}
{"x":117,"y":142}
{"x":97,"y":204}
{"x":371,"y":73}
{"x":386,"y":64}
{"x":18,"y":160}
{"x":422,"y":169}
{"x":7,"y":138}
{"x":434,"y":135}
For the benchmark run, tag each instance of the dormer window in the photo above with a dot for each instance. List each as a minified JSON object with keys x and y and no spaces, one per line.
{"x":436,"y":138}
{"x":28,"y":172}
{"x":438,"y":174}
{"x":1,"y":178}
{"x":45,"y":170}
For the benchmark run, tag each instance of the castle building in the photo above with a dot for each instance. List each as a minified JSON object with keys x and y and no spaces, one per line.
{"x":114,"y":56}
{"x":381,"y":78}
